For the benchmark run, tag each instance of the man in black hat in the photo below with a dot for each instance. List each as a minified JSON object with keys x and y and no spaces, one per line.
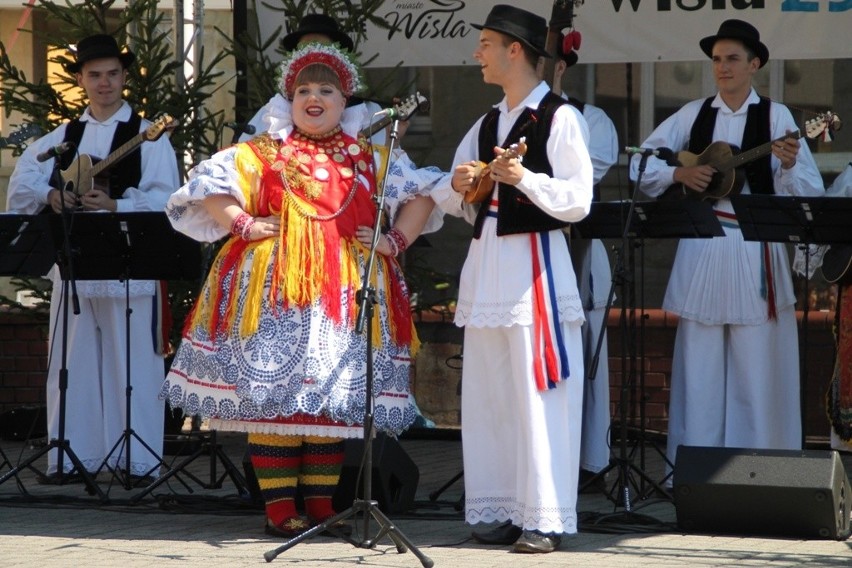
{"x":97,"y":357}
{"x":594,"y":279}
{"x":735,"y":368}
{"x":518,"y":300}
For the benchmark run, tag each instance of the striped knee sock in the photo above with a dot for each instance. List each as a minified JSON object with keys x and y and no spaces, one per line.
{"x":322,"y":461}
{"x":276,"y":460}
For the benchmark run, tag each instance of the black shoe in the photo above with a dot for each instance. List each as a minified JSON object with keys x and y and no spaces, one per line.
{"x":507,"y":533}
{"x":537,"y":542}
{"x":57,"y":478}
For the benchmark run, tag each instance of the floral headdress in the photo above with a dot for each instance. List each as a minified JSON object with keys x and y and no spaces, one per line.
{"x":316,"y":53}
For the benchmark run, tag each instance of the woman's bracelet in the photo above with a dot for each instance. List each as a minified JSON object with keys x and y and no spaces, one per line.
{"x":397,"y":240}
{"x":241,"y":226}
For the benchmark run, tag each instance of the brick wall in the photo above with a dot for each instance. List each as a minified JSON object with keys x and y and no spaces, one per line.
{"x":436,"y":384}
{"x":23,"y":364}
{"x":23,"y":360}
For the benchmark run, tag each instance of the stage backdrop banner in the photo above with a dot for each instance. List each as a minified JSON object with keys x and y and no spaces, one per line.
{"x":439,"y":32}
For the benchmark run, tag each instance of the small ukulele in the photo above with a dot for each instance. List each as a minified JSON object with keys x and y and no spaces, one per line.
{"x":728,"y":161}
{"x":80,"y":175}
{"x":483,"y":185}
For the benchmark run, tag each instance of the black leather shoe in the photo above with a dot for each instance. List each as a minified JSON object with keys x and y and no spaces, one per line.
{"x":537,"y":542}
{"x":507,"y":533}
{"x":57,"y":478}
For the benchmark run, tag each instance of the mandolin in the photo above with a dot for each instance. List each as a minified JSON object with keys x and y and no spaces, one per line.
{"x":483,"y":185}
{"x":728,"y":161}
{"x":80,"y":175}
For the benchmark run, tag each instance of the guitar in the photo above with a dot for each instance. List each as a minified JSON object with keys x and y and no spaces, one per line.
{"x":23,"y":133}
{"x":836,"y":263}
{"x":483,"y":185}
{"x":727,"y":160}
{"x":402,"y":111}
{"x":80,"y":175}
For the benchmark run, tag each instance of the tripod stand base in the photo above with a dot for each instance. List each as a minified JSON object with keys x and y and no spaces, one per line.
{"x":60,"y":478}
{"x":208,"y":445}
{"x":369,"y":509}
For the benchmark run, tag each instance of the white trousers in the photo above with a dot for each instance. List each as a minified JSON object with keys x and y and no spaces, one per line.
{"x":736,"y":386}
{"x":521,"y":446}
{"x":594,"y":446}
{"x":95,"y":398}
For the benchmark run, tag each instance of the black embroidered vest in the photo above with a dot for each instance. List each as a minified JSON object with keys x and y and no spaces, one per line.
{"x":128,"y":172}
{"x":516,"y":213}
{"x":757,"y":131}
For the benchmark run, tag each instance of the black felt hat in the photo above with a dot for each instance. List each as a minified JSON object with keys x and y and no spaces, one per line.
{"x":317,"y":24}
{"x":741,"y":31}
{"x":524,"y":26}
{"x":99,"y":46}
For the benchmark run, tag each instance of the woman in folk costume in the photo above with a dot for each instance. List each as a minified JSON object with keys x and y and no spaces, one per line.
{"x":270,"y":347}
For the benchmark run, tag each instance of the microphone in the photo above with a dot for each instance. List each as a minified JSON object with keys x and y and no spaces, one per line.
{"x":55,"y":151}
{"x":390,"y":113}
{"x":643,"y":151}
{"x":662,"y":153}
{"x":242,"y":127}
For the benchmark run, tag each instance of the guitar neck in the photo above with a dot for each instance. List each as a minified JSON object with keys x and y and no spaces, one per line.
{"x":757,"y":152}
{"x":118,"y":154}
{"x":376,"y":126}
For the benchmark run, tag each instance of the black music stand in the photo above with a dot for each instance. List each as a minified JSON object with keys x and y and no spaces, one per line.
{"x":31,"y":252}
{"x":128,"y":246}
{"x":647,"y":219}
{"x":25,"y":250}
{"x":800,"y":221}
{"x":651,"y":220}
{"x":25,"y":246}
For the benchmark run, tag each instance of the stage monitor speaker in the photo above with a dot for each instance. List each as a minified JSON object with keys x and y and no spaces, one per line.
{"x":801,"y":493}
{"x":395,"y":476}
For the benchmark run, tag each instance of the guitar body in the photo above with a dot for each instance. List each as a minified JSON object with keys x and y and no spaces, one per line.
{"x":727,"y":180}
{"x":836,"y":263}
{"x":482,"y":187}
{"x":80,"y":175}
{"x":728,"y":160}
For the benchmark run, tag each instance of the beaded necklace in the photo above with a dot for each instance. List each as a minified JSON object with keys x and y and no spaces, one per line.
{"x":305,"y":161}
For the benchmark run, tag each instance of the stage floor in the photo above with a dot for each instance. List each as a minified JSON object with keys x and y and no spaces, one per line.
{"x":61,"y":526}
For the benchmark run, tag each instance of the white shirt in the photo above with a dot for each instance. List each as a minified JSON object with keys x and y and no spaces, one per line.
{"x":495,"y":285}
{"x":29,"y":184}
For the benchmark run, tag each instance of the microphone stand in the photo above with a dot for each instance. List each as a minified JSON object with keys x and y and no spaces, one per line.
{"x":366,"y":298}
{"x":65,"y":260}
{"x":625,"y":278}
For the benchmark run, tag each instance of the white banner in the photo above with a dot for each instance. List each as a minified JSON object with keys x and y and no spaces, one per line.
{"x":439,"y":32}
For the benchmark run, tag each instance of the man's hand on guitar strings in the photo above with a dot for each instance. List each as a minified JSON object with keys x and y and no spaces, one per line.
{"x":786,"y":151}
{"x":55,"y":199}
{"x":97,"y":199}
{"x":464,"y":175}
{"x":696,"y":178}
